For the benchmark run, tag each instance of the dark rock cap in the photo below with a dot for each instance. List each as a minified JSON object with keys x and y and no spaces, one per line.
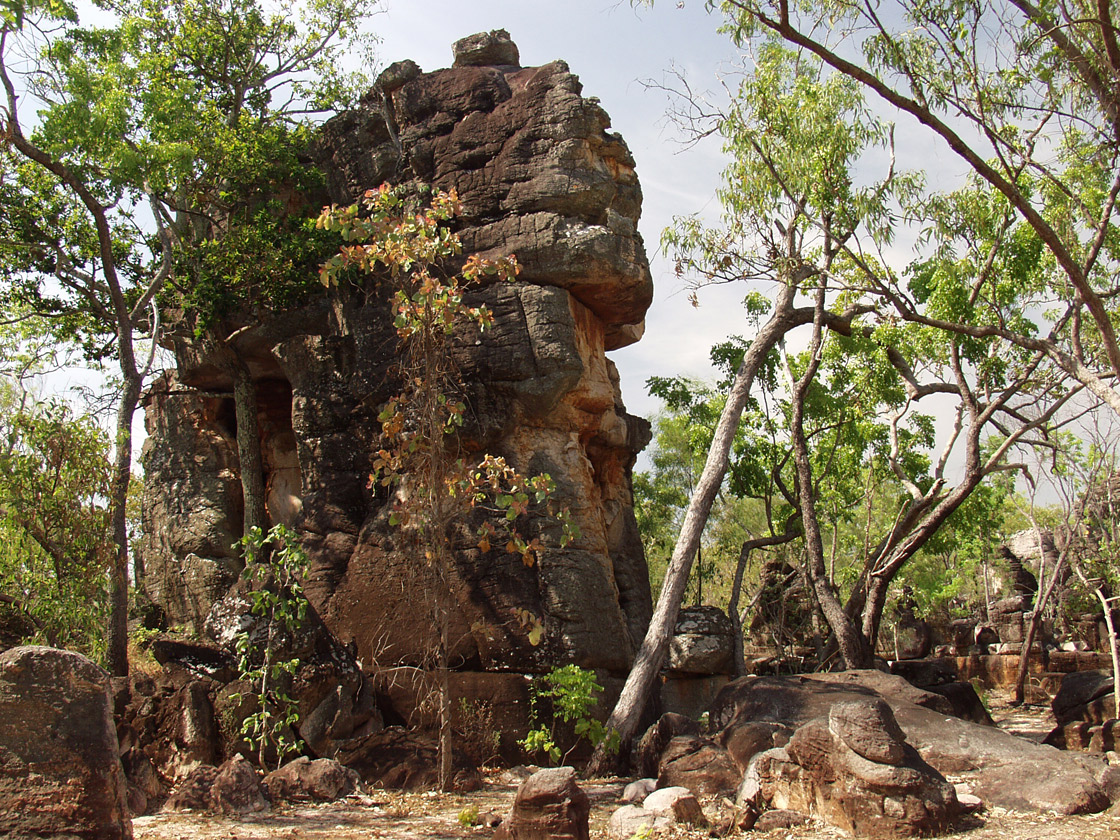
{"x":486,"y":49}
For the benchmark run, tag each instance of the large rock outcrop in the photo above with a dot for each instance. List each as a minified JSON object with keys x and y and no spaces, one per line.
{"x":538,"y":175}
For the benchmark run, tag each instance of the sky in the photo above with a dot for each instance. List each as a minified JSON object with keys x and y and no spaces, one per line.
{"x":619,"y":49}
{"x":616,"y":50}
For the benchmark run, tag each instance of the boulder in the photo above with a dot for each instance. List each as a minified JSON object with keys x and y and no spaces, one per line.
{"x":636,"y":791}
{"x":549,"y":805}
{"x":647,"y":755}
{"x":913,"y":637}
{"x":966,"y":703}
{"x":990,"y":759}
{"x":743,"y":741}
{"x":779,"y":819}
{"x":394,"y":758}
{"x":699,"y":764}
{"x":868,"y":728}
{"x":962,"y":635}
{"x":1084,"y":696}
{"x":237,"y":788}
{"x":170,"y":717}
{"x":892,"y":793}
{"x":321,"y":780}
{"x":486,"y":49}
{"x":926,"y":672}
{"x":677,"y":803}
{"x":60,"y":770}
{"x":193,"y":792}
{"x":702,"y":643}
{"x":631,"y":821}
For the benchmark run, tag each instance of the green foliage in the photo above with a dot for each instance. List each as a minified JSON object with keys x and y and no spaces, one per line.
{"x":194,"y":111}
{"x":54,"y":478}
{"x":468,"y":816}
{"x":565,"y":695}
{"x":278,"y":601}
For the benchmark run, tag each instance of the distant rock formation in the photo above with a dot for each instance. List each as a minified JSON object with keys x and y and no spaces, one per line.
{"x":538,"y":175}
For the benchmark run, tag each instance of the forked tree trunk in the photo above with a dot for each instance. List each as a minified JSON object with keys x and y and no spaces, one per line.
{"x":853,"y":649}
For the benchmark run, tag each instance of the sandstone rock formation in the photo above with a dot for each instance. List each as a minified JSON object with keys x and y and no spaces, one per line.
{"x":538,"y":175}
{"x":702,"y":643}
{"x":549,"y":805}
{"x":991,"y":762}
{"x":855,"y":770}
{"x":60,"y":773}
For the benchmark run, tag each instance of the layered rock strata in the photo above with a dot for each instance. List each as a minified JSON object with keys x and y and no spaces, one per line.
{"x":540,"y":176}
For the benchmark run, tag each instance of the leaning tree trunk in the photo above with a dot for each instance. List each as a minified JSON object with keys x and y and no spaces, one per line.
{"x":647,"y":664}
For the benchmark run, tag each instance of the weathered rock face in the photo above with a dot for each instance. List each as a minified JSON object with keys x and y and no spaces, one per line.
{"x":989,"y":761}
{"x":703,"y":642}
{"x":855,"y":770}
{"x":60,"y":773}
{"x":538,"y":175}
{"x":549,"y":806}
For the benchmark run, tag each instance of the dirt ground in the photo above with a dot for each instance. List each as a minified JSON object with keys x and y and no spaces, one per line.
{"x":428,"y":816}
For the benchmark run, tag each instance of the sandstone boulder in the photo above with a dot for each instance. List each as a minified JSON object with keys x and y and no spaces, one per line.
{"x":698,"y":764}
{"x":486,"y":49}
{"x":549,"y":804}
{"x":321,"y":780}
{"x":636,"y":791}
{"x":237,"y":788}
{"x":1085,"y":696}
{"x":743,"y":741}
{"x":193,"y":792}
{"x":60,"y":770}
{"x":913,"y":637}
{"x":647,"y":755}
{"x":987,"y":757}
{"x":635,"y":821}
{"x":702,"y":643}
{"x":895,"y":794}
{"x":678,"y":803}
{"x":779,"y":819}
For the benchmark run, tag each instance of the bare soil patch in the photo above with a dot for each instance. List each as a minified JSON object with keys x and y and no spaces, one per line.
{"x":394,"y":815}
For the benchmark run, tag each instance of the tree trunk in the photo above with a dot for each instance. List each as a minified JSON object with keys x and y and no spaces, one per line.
{"x":249,"y":448}
{"x":647,"y":664}
{"x":1046,"y":547}
{"x":853,"y":650}
{"x":118,"y":518}
{"x":249,"y":456}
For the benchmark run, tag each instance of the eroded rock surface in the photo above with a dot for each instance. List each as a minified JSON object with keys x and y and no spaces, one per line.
{"x":992,"y":762}
{"x":538,"y":175}
{"x":60,"y":772}
{"x":549,"y":805}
